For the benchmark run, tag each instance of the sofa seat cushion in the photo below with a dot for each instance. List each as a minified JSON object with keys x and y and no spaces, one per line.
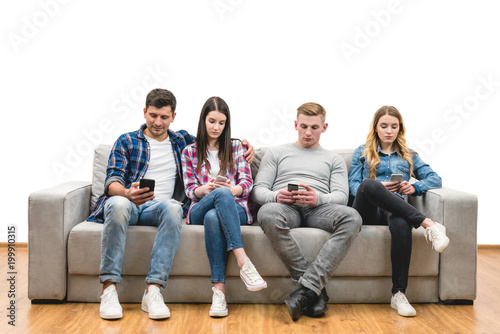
{"x":371,"y":246}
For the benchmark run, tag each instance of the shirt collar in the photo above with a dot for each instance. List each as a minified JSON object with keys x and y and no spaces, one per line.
{"x":380,"y":151}
{"x":140,"y":133}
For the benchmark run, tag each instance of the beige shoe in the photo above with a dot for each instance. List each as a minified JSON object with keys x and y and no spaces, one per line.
{"x":219,"y":305}
{"x":110,"y":306}
{"x":401,"y":304}
{"x":437,"y":235}
{"x":154,"y":304}
{"x":251,"y":277}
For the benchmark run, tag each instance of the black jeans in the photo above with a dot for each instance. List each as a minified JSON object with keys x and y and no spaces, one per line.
{"x":378,"y":206}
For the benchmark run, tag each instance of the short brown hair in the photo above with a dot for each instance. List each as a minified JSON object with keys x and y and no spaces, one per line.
{"x":160,"y":98}
{"x":312,"y":109}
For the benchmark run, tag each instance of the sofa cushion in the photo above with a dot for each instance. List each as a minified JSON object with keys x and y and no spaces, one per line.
{"x":371,"y":246}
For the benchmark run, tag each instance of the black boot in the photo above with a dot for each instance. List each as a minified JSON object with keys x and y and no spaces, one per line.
{"x":320,"y":307}
{"x":300,"y":302}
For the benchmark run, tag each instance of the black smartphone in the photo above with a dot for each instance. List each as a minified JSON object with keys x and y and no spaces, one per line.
{"x":143,"y":183}
{"x":292,"y":187}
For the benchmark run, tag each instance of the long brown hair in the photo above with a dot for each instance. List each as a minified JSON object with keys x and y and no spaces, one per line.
{"x":225,"y":154}
{"x":373,"y":141}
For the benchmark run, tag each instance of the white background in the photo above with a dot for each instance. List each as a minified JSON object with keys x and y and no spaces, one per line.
{"x":75,"y":74}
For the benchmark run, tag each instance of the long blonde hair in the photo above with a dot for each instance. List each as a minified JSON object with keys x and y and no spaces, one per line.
{"x":373,"y":141}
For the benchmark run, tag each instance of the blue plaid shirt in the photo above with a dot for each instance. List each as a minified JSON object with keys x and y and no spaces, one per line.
{"x":129,"y":161}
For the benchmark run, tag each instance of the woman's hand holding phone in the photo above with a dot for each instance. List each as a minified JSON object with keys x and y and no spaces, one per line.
{"x":393,"y":186}
{"x":205,"y":189}
{"x":406,"y":188}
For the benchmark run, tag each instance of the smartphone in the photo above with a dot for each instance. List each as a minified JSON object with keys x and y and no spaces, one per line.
{"x":143,"y":183}
{"x":292,"y":187}
{"x":221,"y":179}
{"x":396,"y":177}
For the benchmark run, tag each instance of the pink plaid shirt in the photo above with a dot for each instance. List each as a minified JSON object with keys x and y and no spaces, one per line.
{"x":241,"y":176}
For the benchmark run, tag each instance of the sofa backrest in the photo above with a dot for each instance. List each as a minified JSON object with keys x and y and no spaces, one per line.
{"x":101,"y":156}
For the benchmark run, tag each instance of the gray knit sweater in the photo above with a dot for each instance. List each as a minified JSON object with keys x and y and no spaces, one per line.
{"x":321,"y":169}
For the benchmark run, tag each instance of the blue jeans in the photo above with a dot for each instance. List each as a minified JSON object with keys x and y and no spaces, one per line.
{"x":222,"y":217}
{"x":119,"y":213}
{"x":342,"y":222}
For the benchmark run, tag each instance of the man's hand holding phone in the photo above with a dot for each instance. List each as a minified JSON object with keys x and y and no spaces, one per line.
{"x":285,"y":195}
{"x":141,"y":192}
{"x":292,"y":195}
{"x":307,"y":196}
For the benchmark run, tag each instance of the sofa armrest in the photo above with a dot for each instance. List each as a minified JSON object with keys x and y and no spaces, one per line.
{"x":52,"y":213}
{"x":457,"y":211}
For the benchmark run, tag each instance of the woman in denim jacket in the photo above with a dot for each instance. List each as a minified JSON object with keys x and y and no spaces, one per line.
{"x":218,"y":180}
{"x":381,"y":201}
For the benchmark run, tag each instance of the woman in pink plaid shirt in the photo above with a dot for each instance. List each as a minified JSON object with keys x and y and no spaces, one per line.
{"x":218,"y":180}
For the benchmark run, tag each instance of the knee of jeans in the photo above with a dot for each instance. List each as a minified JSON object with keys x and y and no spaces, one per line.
{"x":223,"y":191}
{"x":172,"y":211}
{"x":266,"y":216}
{"x":357,"y":220}
{"x":211,"y":217}
{"x":117,"y":207}
{"x":369,"y":185}
{"x":353,"y":218}
{"x":211,"y":220}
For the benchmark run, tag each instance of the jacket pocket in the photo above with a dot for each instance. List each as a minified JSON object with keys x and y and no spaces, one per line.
{"x":404,"y":167}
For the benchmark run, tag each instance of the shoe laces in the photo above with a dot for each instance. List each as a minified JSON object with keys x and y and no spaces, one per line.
{"x":250,"y":271}
{"x":110,"y":297}
{"x":401,"y":298}
{"x":218,"y":299}
{"x":157,"y":299}
{"x":431,"y":233}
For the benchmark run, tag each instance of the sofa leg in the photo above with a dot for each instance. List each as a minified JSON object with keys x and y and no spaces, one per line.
{"x":457,"y":302}
{"x":48,"y":301}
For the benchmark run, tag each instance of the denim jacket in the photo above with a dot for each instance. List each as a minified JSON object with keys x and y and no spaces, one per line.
{"x":392,"y":164}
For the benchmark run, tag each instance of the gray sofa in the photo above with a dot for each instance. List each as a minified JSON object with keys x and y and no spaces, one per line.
{"x":64,"y":253}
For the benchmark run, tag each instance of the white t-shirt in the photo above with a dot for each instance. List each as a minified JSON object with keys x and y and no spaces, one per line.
{"x":161,"y":168}
{"x":213,"y":158}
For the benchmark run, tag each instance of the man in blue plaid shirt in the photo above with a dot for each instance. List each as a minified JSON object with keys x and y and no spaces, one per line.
{"x":152,"y":152}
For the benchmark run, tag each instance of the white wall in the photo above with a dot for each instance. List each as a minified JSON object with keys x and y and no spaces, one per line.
{"x":75,"y":74}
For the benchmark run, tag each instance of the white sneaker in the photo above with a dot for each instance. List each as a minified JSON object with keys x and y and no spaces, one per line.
{"x":219,"y":306}
{"x":251,"y":277}
{"x":437,"y":235}
{"x":401,"y":304}
{"x":154,"y":304}
{"x":110,"y":306}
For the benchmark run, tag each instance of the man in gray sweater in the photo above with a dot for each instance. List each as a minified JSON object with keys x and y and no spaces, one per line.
{"x":320,"y":202}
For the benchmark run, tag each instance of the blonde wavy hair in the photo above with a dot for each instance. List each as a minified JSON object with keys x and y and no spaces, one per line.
{"x":373,"y":141}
